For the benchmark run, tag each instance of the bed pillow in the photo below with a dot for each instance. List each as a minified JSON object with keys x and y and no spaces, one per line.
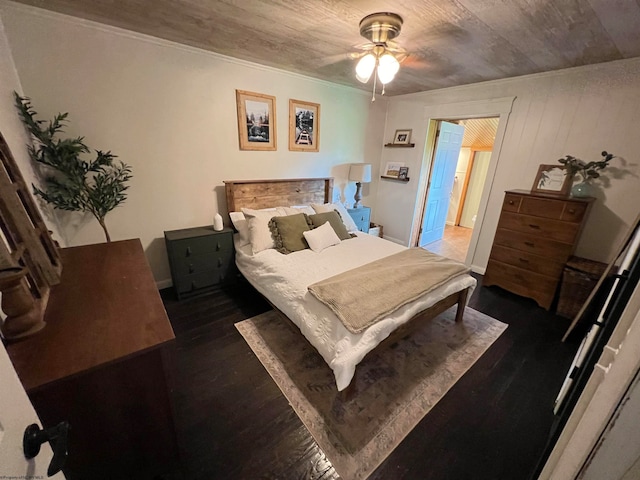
{"x":295,"y":209}
{"x":287,"y":233}
{"x":258,"y":226}
{"x":344,"y":215}
{"x":322,"y":237}
{"x":334,"y":220}
{"x":239,"y":222}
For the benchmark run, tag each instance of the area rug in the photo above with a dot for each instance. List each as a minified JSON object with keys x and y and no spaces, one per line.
{"x":395,"y":388}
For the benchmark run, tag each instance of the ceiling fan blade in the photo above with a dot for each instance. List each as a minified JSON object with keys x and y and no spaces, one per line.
{"x":414,"y":61}
{"x":332,"y":59}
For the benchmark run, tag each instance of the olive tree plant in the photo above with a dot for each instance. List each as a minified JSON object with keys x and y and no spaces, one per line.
{"x":89,"y":186}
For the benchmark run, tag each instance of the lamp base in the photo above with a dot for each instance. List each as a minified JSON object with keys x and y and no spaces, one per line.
{"x":358,"y":196}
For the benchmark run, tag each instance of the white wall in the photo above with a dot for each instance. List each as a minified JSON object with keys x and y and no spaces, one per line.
{"x":169,"y":111}
{"x":579,"y":111}
{"x":11,"y":127}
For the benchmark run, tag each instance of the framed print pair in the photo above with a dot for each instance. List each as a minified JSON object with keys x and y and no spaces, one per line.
{"x":257,"y":123}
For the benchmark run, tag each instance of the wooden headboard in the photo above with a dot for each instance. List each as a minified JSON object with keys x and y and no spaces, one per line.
{"x":275,"y":193}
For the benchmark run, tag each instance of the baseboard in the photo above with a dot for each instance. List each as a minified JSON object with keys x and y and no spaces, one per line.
{"x":161,"y":284}
{"x":478,"y":270}
{"x":394,"y":240}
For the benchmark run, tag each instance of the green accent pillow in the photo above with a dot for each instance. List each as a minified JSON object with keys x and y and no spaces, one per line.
{"x":334,"y":220}
{"x":287,"y":233}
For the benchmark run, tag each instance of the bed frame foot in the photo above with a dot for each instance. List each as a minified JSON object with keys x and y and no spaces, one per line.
{"x":462,"y":302}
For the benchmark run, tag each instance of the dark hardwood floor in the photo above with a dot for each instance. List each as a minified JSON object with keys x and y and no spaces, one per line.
{"x":233,"y":423}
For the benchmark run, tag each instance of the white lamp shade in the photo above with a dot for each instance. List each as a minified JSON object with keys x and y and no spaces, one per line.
{"x":360,"y":172}
{"x":388,"y":66}
{"x":365,"y":67}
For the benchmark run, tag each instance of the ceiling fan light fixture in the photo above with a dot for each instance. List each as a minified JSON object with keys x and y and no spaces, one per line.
{"x":388,"y":66}
{"x":365,"y":67}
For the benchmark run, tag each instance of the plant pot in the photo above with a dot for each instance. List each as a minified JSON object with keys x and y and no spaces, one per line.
{"x":582,"y":189}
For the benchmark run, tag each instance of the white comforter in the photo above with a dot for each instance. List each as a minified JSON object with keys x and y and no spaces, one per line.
{"x":284,"y":279}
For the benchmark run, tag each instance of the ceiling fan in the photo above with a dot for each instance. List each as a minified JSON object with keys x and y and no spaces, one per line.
{"x":381,"y":56}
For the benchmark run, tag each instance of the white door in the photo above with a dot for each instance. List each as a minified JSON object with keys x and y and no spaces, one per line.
{"x":16,"y":414}
{"x":443,"y":171}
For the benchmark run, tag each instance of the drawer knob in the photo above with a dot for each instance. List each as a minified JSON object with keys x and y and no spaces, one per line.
{"x":572,"y":211}
{"x":534,"y":226}
{"x":218,"y":247}
{"x":523,"y":260}
{"x":529,"y":244}
{"x":191,"y":269}
{"x":511,"y":202}
{"x":193,"y":284}
{"x":219,"y":262}
{"x":188,"y":251}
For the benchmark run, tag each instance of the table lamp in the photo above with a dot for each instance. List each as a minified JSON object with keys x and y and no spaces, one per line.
{"x":359,"y":173}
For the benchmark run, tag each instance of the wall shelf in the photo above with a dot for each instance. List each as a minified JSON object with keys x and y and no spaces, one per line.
{"x":400,"y":145}
{"x":395,"y":178}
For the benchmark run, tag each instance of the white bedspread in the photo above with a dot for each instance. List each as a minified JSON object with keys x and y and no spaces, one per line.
{"x":284,"y":279}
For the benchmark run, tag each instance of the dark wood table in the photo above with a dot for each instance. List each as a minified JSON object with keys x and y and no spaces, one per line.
{"x":103,"y":363}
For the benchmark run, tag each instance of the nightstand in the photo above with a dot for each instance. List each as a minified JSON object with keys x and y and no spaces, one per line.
{"x":200,"y":258}
{"x":362,"y":217}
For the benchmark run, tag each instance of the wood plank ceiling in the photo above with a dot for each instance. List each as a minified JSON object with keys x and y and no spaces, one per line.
{"x":451,"y":42}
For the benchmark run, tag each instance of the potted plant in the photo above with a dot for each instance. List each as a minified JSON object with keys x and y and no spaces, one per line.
{"x":587,"y":170}
{"x":94,"y":186}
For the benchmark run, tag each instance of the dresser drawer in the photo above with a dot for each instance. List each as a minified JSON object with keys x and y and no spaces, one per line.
{"x":574,"y":212}
{"x":511,"y":202}
{"x":192,"y":247}
{"x":202,"y":263}
{"x":189,"y":283}
{"x":565,"y":210}
{"x":538,"y":226}
{"x":542,"y":207}
{"x":527,"y":261}
{"x":533,"y":244}
{"x":522,"y":282}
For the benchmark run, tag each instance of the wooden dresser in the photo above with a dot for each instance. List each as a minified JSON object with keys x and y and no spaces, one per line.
{"x":536,"y":235}
{"x":103,"y":363}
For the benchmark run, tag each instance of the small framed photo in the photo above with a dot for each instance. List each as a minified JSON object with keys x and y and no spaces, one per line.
{"x":402,"y":137}
{"x":256,"y":121}
{"x":304,"y":126}
{"x":393,"y":169}
{"x":552,"y":180}
{"x":403,"y":173}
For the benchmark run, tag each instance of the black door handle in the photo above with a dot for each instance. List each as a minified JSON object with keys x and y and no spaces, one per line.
{"x":58,"y":438}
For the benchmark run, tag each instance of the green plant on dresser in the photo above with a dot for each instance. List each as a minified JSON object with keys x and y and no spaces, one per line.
{"x":200,"y":258}
{"x":362,"y":217}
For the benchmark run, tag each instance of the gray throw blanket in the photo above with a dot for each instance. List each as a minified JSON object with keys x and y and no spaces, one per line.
{"x":366,"y":294}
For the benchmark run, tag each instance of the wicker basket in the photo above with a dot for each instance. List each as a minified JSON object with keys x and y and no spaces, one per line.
{"x":579,"y":278}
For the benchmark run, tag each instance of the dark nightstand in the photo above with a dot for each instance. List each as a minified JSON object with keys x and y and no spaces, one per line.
{"x":200,"y":258}
{"x":362,"y":217}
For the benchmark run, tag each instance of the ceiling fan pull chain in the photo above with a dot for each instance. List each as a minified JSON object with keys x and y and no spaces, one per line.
{"x":375,"y":78}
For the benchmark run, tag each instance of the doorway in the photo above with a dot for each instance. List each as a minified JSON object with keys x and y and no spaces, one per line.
{"x":464,"y":187}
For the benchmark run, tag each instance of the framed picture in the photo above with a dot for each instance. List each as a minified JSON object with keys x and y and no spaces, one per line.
{"x":403,"y":173}
{"x":304,"y":126}
{"x":393,"y":169}
{"x":256,"y":121}
{"x":402,"y":137}
{"x":552,"y":180}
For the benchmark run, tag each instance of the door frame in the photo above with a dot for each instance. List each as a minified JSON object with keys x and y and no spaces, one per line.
{"x":497,"y":107}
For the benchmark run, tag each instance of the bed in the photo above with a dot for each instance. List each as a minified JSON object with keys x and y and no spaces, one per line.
{"x":284,"y":280}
